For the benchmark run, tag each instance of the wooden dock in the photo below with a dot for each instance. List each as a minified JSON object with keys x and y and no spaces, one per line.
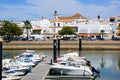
{"x":40,"y":71}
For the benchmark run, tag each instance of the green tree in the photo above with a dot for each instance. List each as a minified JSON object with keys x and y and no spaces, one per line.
{"x":16,"y":30}
{"x":9,"y":29}
{"x":27,"y":26}
{"x":102,"y":32}
{"x":67,"y":30}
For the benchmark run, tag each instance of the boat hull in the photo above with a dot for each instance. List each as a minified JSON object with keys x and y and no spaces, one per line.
{"x":70,"y":71}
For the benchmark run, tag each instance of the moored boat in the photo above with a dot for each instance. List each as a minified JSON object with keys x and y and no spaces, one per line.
{"x":14,"y":73}
{"x":71,"y":64}
{"x":70,"y":68}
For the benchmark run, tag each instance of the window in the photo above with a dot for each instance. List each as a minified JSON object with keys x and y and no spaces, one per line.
{"x":58,"y":24}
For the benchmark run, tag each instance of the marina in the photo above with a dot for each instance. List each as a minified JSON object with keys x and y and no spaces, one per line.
{"x":106,"y":61}
{"x":49,"y":40}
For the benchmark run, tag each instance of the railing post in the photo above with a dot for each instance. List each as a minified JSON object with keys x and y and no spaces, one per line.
{"x":54,"y":50}
{"x":80,"y":46}
{"x":1,"y":41}
{"x":58,"y":47}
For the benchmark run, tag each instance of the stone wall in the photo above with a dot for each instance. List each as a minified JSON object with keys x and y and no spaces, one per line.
{"x":65,"y":45}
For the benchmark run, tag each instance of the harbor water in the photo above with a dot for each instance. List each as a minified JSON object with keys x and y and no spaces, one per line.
{"x":108,"y":62}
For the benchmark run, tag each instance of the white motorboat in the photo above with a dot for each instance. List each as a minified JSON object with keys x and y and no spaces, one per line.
{"x":13,"y":65}
{"x":25,"y":62}
{"x":31,"y":55}
{"x":70,"y":55}
{"x":5,"y":61}
{"x":10,"y":77}
{"x":72,"y":64}
{"x":68,"y":68}
{"x":14,"y":73}
{"x":17,"y":68}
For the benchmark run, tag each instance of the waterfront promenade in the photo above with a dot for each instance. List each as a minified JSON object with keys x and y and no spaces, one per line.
{"x":65,"y":45}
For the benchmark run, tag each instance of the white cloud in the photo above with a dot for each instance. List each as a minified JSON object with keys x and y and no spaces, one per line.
{"x":35,"y":9}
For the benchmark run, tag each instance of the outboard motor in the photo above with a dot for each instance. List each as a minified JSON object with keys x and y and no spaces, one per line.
{"x":92,"y":68}
{"x":96,"y":71}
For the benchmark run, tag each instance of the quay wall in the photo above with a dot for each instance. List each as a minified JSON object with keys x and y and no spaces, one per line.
{"x":65,"y":45}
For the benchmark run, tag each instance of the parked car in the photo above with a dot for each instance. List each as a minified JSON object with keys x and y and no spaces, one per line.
{"x":116,"y":39}
{"x":41,"y":39}
{"x":25,"y":39}
{"x":68,"y":38}
{"x":8,"y":38}
{"x":101,"y":39}
{"x":89,"y":38}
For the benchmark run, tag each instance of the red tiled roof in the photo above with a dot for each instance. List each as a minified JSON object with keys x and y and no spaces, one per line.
{"x":68,"y":18}
{"x":76,"y":16}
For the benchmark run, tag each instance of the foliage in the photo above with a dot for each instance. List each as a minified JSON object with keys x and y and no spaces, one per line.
{"x":9,"y":29}
{"x":67,"y":30}
{"x":102,"y":32}
{"x":98,"y":17}
{"x":27,"y":26}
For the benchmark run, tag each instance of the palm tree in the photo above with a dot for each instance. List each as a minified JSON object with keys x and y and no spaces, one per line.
{"x":27,"y":26}
{"x":98,"y":17}
{"x":102,"y":32}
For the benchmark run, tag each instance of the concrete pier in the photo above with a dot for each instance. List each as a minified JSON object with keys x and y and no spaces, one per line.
{"x":40,"y":71}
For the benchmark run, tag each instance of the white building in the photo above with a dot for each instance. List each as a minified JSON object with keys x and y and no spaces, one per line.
{"x":38,"y":27}
{"x":83,"y":26}
{"x":41,"y":25}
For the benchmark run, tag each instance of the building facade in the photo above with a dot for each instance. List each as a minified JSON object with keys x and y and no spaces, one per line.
{"x":84,"y":27}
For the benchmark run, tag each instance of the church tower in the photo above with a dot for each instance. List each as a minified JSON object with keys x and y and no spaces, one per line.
{"x":55,"y":14}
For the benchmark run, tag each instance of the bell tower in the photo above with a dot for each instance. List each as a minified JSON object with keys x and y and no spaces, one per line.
{"x":56,"y":14}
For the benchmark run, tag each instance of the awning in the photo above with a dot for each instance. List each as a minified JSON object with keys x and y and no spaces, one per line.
{"x":37,"y":28}
{"x":87,"y":34}
{"x":94,"y":34}
{"x":82,"y":34}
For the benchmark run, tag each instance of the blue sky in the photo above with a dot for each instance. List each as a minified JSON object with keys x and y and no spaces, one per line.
{"x":20,"y":10}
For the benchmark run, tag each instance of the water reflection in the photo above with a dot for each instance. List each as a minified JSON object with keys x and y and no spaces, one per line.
{"x":119,"y":63}
{"x":108,"y":62}
{"x":102,"y":64}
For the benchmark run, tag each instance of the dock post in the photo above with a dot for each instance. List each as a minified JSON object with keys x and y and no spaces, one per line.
{"x":54,"y":50}
{"x":58,"y":47}
{"x":80,"y":46}
{"x":51,"y":63}
{"x":1,"y":41}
